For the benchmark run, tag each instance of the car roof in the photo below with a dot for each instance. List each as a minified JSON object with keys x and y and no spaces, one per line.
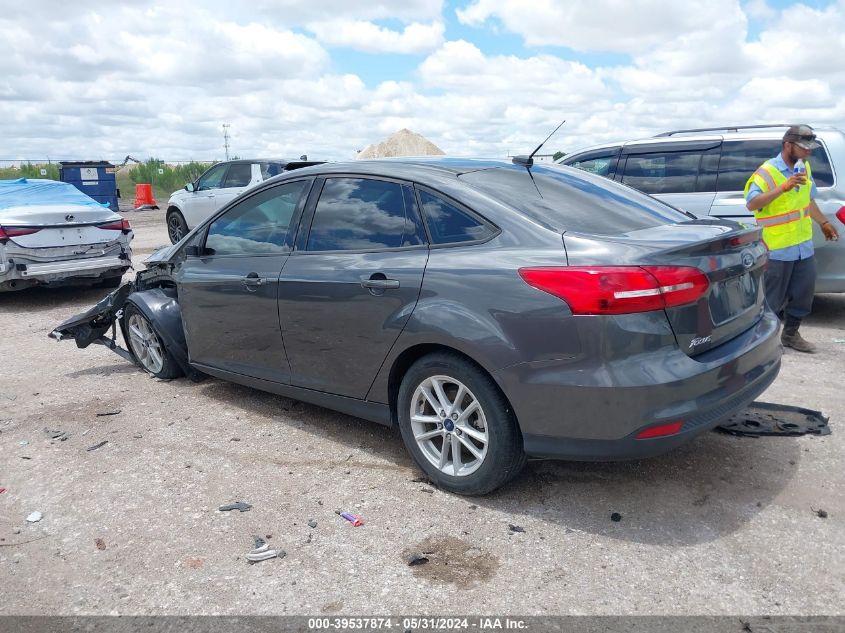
{"x":727,"y":133}
{"x":408,"y":168}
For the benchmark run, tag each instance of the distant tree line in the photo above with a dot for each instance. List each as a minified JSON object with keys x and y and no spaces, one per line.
{"x":171,"y":177}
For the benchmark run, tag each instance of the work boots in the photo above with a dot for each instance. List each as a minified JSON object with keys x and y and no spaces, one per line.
{"x":791,"y":338}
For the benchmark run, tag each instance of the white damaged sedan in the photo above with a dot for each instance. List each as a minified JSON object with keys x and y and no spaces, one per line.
{"x":51,"y":233}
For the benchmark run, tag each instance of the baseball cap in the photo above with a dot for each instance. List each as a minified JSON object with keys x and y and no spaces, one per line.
{"x":802,"y":135}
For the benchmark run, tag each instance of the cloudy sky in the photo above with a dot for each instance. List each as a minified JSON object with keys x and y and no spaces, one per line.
{"x":98,"y":79}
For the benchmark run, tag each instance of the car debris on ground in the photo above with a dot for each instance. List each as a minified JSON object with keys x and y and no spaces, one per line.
{"x":241,"y":506}
{"x":35,"y":517}
{"x":97,"y":445}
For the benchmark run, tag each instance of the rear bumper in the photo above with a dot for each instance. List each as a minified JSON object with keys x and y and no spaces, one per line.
{"x":17,"y":270}
{"x":592,"y":412}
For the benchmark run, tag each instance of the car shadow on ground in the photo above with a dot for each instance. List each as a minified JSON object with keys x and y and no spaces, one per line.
{"x":698,"y":493}
{"x":41,"y":299}
{"x":828,"y":310}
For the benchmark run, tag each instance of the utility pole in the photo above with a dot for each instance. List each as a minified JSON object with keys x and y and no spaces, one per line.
{"x":226,"y":127}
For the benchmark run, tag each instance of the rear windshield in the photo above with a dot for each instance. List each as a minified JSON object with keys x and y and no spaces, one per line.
{"x":568,"y":199}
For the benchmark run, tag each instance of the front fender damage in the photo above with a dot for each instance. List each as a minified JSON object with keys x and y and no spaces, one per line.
{"x":156,"y":300}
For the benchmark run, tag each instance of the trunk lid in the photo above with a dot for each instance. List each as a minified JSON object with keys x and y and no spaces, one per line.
{"x":732,"y":256}
{"x":61,"y":224}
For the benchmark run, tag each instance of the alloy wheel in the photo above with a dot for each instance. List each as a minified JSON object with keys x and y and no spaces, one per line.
{"x":145,"y":344}
{"x":174,"y":228}
{"x":449,"y":425}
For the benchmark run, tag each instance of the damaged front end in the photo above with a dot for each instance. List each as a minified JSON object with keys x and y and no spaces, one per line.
{"x":153,"y":293}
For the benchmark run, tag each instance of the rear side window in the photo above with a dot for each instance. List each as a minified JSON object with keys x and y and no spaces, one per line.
{"x":740,"y":159}
{"x":362,"y":214}
{"x":663,"y":172}
{"x":239,"y":175}
{"x":449,"y":224}
{"x":599,"y":164}
{"x":259,"y":225}
{"x":564,"y":199}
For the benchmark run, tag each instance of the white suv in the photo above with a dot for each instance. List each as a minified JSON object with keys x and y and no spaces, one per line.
{"x":218,"y":186}
{"x":704,"y":171}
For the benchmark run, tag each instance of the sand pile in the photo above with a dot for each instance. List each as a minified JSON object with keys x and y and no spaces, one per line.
{"x":403,"y":143}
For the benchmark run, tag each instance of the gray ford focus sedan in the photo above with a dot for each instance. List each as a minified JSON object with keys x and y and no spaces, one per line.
{"x":492,"y":311}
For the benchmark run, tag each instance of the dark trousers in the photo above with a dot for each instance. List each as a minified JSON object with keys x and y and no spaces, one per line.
{"x":790,"y":287}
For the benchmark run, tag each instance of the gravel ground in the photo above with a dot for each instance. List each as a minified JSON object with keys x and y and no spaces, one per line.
{"x":724,"y":525}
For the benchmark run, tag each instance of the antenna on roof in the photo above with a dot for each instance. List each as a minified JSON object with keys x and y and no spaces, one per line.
{"x":529,"y":160}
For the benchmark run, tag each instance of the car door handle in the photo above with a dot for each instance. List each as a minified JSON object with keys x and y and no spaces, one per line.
{"x":252,"y":279}
{"x":380,"y":284}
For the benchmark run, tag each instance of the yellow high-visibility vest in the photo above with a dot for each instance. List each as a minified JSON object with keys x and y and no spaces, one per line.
{"x":786,"y":220}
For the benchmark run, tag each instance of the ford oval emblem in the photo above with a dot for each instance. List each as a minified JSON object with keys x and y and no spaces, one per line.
{"x":747,"y":259}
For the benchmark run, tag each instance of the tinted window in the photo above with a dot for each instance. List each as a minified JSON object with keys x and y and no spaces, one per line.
{"x":564,"y":199}
{"x":740,"y":159}
{"x":268,"y":170}
{"x":601,"y":165}
{"x":259,"y":225}
{"x":448,"y":224}
{"x":662,"y":172}
{"x":361,"y":214}
{"x":213,"y":178}
{"x":239,"y":175}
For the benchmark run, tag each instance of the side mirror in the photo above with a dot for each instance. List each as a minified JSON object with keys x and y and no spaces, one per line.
{"x":189,"y":187}
{"x":192,"y":251}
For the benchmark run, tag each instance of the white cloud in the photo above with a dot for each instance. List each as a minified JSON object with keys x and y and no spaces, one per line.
{"x":371,"y":38}
{"x":599,"y":25}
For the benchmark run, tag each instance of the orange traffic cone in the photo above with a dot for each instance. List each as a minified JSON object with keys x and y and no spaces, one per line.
{"x":144,"y":196}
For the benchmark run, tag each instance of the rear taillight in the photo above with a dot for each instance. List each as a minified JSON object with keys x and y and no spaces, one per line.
{"x":841,"y":215}
{"x":11,"y":231}
{"x":619,"y":289}
{"x":122,"y":225}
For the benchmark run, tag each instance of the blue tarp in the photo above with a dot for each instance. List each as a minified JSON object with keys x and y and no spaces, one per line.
{"x":27,"y":192}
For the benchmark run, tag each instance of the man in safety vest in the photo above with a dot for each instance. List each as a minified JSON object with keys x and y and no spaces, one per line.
{"x":781,"y":197}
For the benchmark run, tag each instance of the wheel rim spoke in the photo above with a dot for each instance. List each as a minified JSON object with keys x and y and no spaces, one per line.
{"x":456,"y":455}
{"x":428,"y":435}
{"x":444,"y":455}
{"x":474,"y":433}
{"x":472,"y":408}
{"x":445,"y":404}
{"x":470,"y":447}
{"x":432,"y":400}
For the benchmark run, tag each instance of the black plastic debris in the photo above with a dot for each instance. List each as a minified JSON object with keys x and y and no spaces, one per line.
{"x":97,"y":445}
{"x":416,"y":559}
{"x":822,"y":514}
{"x":238,"y":505}
{"x":105,"y":413}
{"x":766,"y":419}
{"x":515,"y":528}
{"x":616,"y":517}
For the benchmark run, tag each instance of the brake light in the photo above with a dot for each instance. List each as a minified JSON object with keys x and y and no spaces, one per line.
{"x":660,"y":430}
{"x":619,"y":289}
{"x":122,"y":225}
{"x":10,"y":231}
{"x":841,"y":215}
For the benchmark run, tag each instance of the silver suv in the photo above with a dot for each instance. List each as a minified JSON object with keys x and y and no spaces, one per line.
{"x":704,"y":171}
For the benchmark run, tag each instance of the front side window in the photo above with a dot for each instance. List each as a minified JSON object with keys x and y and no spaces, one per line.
{"x":662,"y":172}
{"x":239,"y":175}
{"x":259,"y":225}
{"x":449,"y":224}
{"x":213,"y":178}
{"x":740,"y":159}
{"x":362,"y":214}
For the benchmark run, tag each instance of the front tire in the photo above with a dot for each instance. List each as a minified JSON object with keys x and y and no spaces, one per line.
{"x":458,"y":426}
{"x":177,"y":228}
{"x":146,"y":345}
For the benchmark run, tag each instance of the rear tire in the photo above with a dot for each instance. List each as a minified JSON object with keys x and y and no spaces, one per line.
{"x":177,"y":228}
{"x":447,"y":408}
{"x":146,"y":345}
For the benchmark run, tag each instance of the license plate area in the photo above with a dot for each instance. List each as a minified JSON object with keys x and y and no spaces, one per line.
{"x":732,"y":297}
